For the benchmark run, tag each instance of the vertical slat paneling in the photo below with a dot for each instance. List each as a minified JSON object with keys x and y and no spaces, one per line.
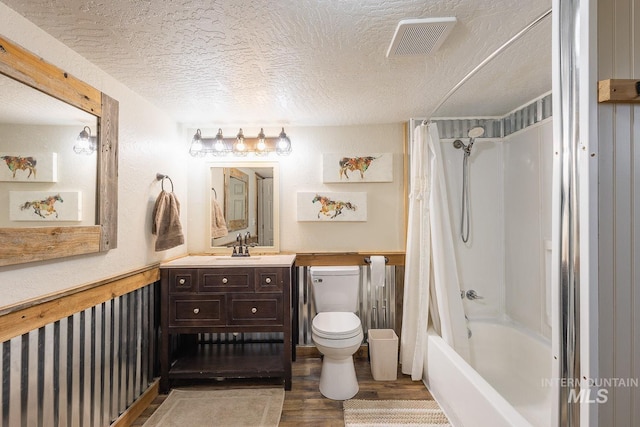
{"x":619,"y":207}
{"x":83,"y":370}
{"x":92,"y":361}
{"x":6,"y":385}
{"x":40,"y":376}
{"x":377,"y":307}
{"x":623,"y":221}
{"x":24,"y":380}
{"x":623,"y":218}
{"x":103,"y":363}
{"x":515,"y":121}
{"x":56,"y":373}
{"x":635,"y":259}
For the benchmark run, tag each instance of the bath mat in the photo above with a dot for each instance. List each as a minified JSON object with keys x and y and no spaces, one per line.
{"x":241,"y":407}
{"x":370,"y":413}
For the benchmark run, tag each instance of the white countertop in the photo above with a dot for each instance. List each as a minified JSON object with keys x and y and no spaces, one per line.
{"x":199,"y":261}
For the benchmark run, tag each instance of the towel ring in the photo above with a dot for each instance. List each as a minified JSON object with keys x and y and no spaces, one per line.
{"x":161,"y":177}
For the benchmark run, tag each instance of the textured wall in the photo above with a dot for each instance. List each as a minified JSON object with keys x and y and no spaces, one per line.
{"x":148,"y":144}
{"x":619,"y":214}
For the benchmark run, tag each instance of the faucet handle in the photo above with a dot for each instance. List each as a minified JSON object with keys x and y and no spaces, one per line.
{"x":471,"y":294}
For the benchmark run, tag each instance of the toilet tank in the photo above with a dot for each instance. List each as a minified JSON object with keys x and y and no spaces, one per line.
{"x":335,"y":288}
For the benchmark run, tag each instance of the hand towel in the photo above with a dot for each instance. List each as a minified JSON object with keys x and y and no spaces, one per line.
{"x":166,"y":222}
{"x":218,"y":224}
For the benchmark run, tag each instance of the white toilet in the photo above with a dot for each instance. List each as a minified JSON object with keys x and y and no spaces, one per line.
{"x":336,"y":330}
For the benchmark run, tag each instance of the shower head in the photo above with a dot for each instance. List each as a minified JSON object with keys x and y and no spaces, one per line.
{"x":476,"y":132}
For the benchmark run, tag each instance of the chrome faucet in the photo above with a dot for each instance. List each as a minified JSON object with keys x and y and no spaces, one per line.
{"x":471,"y":295}
{"x":242,"y":247}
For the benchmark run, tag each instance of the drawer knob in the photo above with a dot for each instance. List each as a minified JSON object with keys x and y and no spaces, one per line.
{"x":196,"y":310}
{"x":182,"y":281}
{"x":254,"y":310}
{"x":225,"y":280}
{"x":268,"y":280}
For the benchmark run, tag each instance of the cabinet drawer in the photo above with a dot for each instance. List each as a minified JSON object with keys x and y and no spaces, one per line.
{"x":197,"y":311}
{"x":255,"y":310}
{"x":182,"y":280}
{"x":223,"y":280}
{"x":268,"y":279}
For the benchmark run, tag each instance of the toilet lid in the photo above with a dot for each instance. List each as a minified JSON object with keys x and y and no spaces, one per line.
{"x":336,"y":325}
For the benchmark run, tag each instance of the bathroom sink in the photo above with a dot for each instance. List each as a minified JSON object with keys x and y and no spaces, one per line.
{"x":275,"y":260}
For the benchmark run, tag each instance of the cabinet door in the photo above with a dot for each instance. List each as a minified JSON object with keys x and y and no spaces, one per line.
{"x":258,"y":310}
{"x":196,"y":311}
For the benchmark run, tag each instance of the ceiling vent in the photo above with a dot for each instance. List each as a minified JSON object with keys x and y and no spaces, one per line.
{"x":420,"y":36}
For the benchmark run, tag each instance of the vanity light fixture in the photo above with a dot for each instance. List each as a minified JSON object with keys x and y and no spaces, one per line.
{"x":85,"y":143}
{"x":240,"y":145}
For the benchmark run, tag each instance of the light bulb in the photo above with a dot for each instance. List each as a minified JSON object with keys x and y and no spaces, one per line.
{"x":261,"y":146}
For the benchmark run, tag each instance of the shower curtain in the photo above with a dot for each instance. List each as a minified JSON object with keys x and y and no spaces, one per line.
{"x":431,"y":277}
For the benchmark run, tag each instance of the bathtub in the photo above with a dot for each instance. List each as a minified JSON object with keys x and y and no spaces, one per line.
{"x":504,"y":384}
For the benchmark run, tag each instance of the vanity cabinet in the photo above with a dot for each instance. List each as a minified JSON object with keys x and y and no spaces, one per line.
{"x":207,"y":294}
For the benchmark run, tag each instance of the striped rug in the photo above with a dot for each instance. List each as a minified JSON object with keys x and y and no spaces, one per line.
{"x":370,"y":413}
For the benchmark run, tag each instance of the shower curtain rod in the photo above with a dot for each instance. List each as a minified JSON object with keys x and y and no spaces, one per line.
{"x":486,"y":60}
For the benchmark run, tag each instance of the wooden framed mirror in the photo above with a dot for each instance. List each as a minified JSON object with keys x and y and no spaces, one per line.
{"x":22,"y":245}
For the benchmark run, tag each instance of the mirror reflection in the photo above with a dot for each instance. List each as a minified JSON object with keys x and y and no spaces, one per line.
{"x":43,"y":182}
{"x":245,"y":194}
{"x":236,"y":198}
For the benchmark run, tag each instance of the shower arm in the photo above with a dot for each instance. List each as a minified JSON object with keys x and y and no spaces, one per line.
{"x":486,"y":60}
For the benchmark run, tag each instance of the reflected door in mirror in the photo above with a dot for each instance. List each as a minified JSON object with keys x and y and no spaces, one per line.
{"x":265,"y":211}
{"x":236,"y":198}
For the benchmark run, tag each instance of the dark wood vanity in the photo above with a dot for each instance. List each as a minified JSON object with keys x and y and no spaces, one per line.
{"x":220,"y":294}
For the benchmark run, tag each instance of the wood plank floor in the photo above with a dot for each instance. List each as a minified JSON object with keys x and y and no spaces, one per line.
{"x":304,"y":404}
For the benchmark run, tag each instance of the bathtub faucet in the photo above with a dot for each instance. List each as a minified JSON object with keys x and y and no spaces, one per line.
{"x":471,"y":295}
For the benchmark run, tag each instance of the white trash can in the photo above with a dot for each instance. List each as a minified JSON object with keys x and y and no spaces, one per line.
{"x":383,"y":350}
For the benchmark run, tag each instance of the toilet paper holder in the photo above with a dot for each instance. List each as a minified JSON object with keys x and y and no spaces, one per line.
{"x":367,"y":260}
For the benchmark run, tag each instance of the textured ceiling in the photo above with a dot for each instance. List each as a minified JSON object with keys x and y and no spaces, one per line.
{"x":302,"y":62}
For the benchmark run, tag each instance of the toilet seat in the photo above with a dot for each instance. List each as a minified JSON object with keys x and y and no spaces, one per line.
{"x":336,"y":325}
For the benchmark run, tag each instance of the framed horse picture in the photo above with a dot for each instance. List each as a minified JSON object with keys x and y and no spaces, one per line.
{"x":332,"y":206}
{"x":29,"y":167}
{"x":370,"y":167}
{"x":45,"y":205}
